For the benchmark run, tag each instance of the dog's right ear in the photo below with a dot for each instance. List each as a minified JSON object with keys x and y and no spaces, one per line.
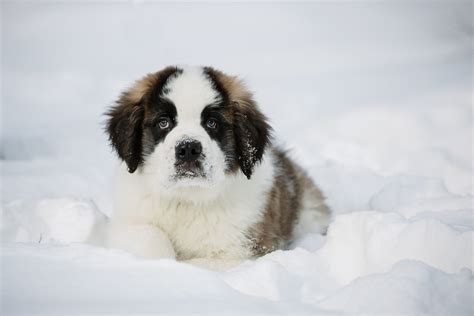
{"x":125,"y":127}
{"x":125,"y":123}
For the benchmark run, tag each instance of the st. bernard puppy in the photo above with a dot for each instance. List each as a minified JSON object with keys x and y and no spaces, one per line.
{"x":201,"y":179}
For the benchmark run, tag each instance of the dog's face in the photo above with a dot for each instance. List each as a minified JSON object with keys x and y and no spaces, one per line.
{"x":188,"y":127}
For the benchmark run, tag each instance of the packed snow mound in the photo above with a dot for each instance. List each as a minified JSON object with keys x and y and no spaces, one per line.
{"x":392,"y":140}
{"x":57,"y":221}
{"x":363,"y":243}
{"x":409,"y":286}
{"x":365,"y":256}
{"x":58,"y":279}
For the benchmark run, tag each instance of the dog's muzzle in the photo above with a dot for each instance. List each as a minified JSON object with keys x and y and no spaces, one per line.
{"x":188,"y":159}
{"x":188,"y":150}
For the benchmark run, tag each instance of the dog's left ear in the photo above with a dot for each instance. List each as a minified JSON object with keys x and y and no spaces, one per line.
{"x":252,"y":134}
{"x":251,"y":128}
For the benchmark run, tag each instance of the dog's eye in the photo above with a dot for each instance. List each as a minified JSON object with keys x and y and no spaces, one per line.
{"x":164,"y":123}
{"x":211,"y":123}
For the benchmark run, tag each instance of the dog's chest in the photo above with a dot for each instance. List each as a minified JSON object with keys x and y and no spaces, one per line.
{"x":212,"y":231}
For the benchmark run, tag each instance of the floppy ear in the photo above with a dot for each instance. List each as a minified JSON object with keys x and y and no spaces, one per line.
{"x":125,"y":123}
{"x":252,"y":135}
{"x":125,"y":129}
{"x":251,"y":130}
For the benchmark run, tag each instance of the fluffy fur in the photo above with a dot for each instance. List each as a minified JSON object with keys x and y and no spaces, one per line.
{"x":238,"y":197}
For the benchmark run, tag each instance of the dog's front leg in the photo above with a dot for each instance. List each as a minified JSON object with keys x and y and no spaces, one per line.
{"x":215,"y":264}
{"x":143,"y":240}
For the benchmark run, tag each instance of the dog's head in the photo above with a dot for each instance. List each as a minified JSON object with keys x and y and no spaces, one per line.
{"x":188,"y":127}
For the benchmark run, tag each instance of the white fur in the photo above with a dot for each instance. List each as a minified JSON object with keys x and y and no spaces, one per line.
{"x":198,"y":229}
{"x":203,"y":218}
{"x":191,"y":92}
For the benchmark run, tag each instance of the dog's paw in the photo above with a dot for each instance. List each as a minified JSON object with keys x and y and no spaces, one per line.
{"x":145,"y":241}
{"x":214,"y":264}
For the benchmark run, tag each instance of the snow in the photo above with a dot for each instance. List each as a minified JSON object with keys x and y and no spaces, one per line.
{"x":374,"y":99}
{"x":60,"y":221}
{"x":409,"y":286}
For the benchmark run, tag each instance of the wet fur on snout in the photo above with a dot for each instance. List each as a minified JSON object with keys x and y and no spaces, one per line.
{"x":258,"y":201}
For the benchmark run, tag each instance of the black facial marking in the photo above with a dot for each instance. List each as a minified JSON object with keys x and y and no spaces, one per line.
{"x":162,"y":109}
{"x":222,"y":134}
{"x":219,"y":111}
{"x":159,"y":108}
{"x":215,"y":113}
{"x":217,"y":85}
{"x":130,"y":120}
{"x":160,"y":87}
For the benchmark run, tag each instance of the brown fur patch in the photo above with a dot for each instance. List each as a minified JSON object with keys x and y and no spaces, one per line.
{"x":141,"y":87}
{"x":236,"y":89}
{"x":291,"y":184}
{"x":284,"y":204}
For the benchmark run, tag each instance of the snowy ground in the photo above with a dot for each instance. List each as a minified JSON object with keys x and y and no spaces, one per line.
{"x":375,"y":100}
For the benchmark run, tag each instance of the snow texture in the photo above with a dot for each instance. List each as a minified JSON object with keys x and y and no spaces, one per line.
{"x":373,"y":99}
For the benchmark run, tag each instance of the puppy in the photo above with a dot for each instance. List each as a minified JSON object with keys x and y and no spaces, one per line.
{"x":201,"y":179}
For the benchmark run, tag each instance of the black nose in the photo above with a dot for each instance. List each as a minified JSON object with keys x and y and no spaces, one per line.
{"x":188,"y":150}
